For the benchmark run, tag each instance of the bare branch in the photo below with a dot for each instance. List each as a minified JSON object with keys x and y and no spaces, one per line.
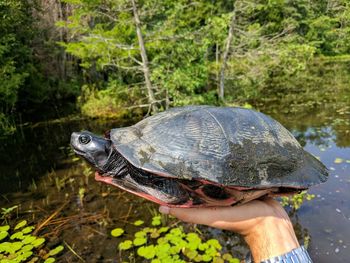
{"x":144,"y":57}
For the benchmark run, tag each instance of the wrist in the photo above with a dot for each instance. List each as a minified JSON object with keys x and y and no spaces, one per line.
{"x":272,"y":236}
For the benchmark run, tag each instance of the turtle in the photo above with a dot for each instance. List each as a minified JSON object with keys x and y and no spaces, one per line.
{"x":201,"y":156}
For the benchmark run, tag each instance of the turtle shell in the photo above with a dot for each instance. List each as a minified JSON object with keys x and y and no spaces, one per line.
{"x":228,"y":146}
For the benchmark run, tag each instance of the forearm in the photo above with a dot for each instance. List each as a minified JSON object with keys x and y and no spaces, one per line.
{"x":274,"y":236}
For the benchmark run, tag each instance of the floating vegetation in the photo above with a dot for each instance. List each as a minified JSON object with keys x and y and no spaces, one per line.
{"x":338,"y":160}
{"x":160,"y":244}
{"x":296,"y":200}
{"x":20,"y":245}
{"x":6,"y":212}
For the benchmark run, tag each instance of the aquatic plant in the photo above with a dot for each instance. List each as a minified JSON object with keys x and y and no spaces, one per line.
{"x":296,"y":200}
{"x":19,"y":244}
{"x":6,"y":212}
{"x":161,"y":243}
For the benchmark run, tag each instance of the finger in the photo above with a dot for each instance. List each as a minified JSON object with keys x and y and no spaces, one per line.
{"x":230,"y":218}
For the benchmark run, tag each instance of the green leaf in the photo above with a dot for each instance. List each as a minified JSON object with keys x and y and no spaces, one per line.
{"x":27,"y":254}
{"x":218,"y":260}
{"x":141,"y":233}
{"x":147,"y":252}
{"x":139,"y":241}
{"x":234,"y":260}
{"x":16,"y":245}
{"x":138,"y":223}
{"x":125,"y":245}
{"x":27,"y":229}
{"x":156,"y":221}
{"x":117,"y":232}
{"x":227,"y":256}
{"x":56,"y":250}
{"x":28,"y":247}
{"x":3,"y":234}
{"x":162,"y":250}
{"x":203,"y":246}
{"x":17,"y":235}
{"x":163,"y":229}
{"x":21,"y":224}
{"x":4,"y":228}
{"x":28,"y":239}
{"x":206,"y":258}
{"x":191,"y":254}
{"x":176,"y":231}
{"x":198,"y":258}
{"x":155,"y":234}
{"x":49,"y":260}
{"x":38,"y":242}
{"x":214,"y":243}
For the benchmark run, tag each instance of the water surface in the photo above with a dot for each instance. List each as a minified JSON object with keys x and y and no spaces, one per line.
{"x":39,"y":173}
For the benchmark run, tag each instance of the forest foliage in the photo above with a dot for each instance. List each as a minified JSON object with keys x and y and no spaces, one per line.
{"x":113,"y":56}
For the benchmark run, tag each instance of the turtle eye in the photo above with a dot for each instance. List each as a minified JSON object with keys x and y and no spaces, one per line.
{"x":84,"y":139}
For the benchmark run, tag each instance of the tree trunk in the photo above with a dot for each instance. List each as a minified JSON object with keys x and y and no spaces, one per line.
{"x":225,"y":57}
{"x":62,"y":55}
{"x":145,"y":67}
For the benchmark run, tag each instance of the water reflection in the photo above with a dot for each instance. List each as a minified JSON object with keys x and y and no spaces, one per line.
{"x":37,"y":149}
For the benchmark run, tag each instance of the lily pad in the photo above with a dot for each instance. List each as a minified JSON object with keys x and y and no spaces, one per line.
{"x":138,"y":222}
{"x":156,"y":220}
{"x":125,"y":245}
{"x":139,"y":241}
{"x":117,"y":232}
{"x":141,"y":234}
{"x":147,"y":252}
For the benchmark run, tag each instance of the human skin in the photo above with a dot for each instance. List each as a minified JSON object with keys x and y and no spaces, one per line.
{"x":264,"y":225}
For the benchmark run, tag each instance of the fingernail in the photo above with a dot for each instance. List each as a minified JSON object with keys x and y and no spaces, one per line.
{"x":164,"y":210}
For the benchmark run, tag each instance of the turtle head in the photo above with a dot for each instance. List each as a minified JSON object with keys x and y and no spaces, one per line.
{"x":94,"y":149}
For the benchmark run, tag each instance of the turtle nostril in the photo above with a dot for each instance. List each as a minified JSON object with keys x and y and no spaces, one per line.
{"x":84,"y":139}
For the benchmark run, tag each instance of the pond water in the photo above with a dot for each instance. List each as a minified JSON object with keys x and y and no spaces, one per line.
{"x":39,"y":174}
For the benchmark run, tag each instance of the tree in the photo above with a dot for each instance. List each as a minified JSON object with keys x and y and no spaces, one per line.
{"x":15,"y":56}
{"x":184,"y":50}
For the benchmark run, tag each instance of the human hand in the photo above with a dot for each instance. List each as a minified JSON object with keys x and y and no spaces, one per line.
{"x":264,"y":224}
